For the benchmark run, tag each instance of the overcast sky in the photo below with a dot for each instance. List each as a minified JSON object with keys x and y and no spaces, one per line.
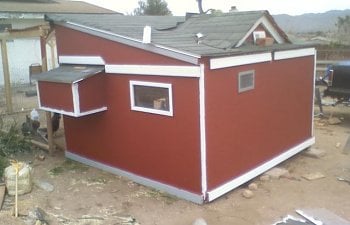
{"x":180,"y":7}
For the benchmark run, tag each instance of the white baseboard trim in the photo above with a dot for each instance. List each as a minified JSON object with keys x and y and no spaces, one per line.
{"x":196,"y":198}
{"x":219,"y":191}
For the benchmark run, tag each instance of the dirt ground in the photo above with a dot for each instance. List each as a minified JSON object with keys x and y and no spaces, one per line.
{"x":85,"y":195}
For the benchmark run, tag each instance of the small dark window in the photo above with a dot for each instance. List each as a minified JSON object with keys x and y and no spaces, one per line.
{"x":4,"y":27}
{"x":246,"y":80}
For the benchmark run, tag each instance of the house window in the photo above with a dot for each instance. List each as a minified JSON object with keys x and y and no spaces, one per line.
{"x":258,"y":35}
{"x":246,"y":80}
{"x":151,"y":97}
{"x":4,"y":27}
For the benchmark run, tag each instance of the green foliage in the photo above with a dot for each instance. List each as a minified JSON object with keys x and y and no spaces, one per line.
{"x":11,"y":142}
{"x":343,"y":34}
{"x":343,"y":24}
{"x":152,"y":8}
{"x":3,"y":164}
{"x":68,"y":165}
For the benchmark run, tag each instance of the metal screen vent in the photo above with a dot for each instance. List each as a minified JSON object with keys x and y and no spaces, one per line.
{"x":246,"y":80}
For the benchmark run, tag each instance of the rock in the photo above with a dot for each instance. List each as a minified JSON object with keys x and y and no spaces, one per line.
{"x":315,"y":153}
{"x":41,"y":157}
{"x":334,"y":121}
{"x":338,"y":145}
{"x":199,"y":221}
{"x":44,"y":185}
{"x":264,"y":177}
{"x":247,"y":193}
{"x":253,"y":186}
{"x":276,"y":173}
{"x":313,"y":176}
{"x":36,"y":216}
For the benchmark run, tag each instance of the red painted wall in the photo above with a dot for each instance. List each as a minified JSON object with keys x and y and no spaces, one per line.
{"x":247,"y":129}
{"x":71,"y":42}
{"x":56,"y":95}
{"x":162,"y":148}
{"x":92,"y":93}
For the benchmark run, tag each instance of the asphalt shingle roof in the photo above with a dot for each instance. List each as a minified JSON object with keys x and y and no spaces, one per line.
{"x":52,"y":6}
{"x":220,"y":32}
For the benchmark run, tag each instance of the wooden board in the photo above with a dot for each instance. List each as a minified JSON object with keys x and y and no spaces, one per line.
{"x":326,"y":216}
{"x":2,"y":195}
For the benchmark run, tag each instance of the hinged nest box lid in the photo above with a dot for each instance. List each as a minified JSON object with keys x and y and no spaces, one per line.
{"x":73,"y":90}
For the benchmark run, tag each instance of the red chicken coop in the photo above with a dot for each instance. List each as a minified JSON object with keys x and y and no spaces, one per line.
{"x":192,"y":106}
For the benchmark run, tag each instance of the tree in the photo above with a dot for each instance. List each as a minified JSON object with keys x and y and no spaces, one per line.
{"x":152,"y":7}
{"x":200,"y":6}
{"x":343,"y":26}
{"x":201,"y":11}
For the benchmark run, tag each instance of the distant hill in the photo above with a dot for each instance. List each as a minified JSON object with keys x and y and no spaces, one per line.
{"x":310,"y":22}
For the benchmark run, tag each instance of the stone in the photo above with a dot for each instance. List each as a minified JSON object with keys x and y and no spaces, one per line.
{"x":44,"y":185}
{"x":199,"y":221}
{"x":36,"y":216}
{"x":313,"y":176}
{"x":264,"y":177}
{"x":41,"y":157}
{"x":253,"y":186}
{"x":247,"y":193}
{"x":334,"y":121}
{"x":315,"y":153}
{"x":276,"y":173}
{"x":338,"y":145}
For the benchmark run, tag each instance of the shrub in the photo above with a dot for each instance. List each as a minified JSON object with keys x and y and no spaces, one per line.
{"x":12,"y":142}
{"x":3,"y":164}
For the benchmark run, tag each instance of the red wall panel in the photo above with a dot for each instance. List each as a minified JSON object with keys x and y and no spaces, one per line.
{"x":162,"y":148}
{"x":92,"y":93}
{"x":56,"y":95}
{"x":247,"y":129}
{"x":72,"y":42}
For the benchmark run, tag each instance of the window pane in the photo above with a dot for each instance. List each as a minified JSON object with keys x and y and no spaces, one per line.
{"x":151,"y":97}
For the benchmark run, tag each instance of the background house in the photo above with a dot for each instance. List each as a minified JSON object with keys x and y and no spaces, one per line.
{"x":193,"y":107}
{"x":26,"y":16}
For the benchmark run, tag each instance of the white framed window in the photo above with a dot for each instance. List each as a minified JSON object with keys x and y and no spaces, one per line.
{"x":259,"y":34}
{"x":151,"y":97}
{"x":246,"y":81}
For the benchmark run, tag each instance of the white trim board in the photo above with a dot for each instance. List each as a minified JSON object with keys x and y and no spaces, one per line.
{"x":313,"y":95}
{"x":218,"y":63}
{"x":38,"y":94}
{"x":104,"y":108}
{"x":203,"y":141}
{"x":196,"y":198}
{"x":154,"y":70}
{"x":76,"y":99}
{"x":81,"y":60}
{"x":223,"y":189}
{"x":295,"y":53}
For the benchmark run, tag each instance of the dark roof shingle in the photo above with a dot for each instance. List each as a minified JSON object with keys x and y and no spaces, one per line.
{"x":53,"y":6}
{"x":221,"y":33}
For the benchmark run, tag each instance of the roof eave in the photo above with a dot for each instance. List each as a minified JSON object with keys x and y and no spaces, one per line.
{"x":152,"y":47}
{"x":273,"y":48}
{"x":21,"y":15}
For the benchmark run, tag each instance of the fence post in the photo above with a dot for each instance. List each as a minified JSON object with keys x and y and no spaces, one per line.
{"x":7,"y":81}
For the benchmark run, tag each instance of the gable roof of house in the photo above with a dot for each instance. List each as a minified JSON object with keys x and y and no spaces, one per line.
{"x":220,"y":34}
{"x":50,"y":6}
